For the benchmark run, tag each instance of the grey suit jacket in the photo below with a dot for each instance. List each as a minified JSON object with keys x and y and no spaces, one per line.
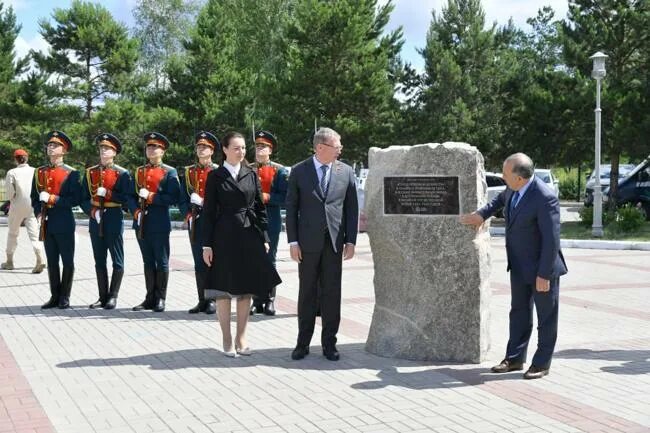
{"x":310,"y":215}
{"x":532,"y":232}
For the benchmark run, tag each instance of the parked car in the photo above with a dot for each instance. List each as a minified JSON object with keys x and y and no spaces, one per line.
{"x":546,"y":176}
{"x":605,"y":173}
{"x":635,"y":188}
{"x":495,"y":184}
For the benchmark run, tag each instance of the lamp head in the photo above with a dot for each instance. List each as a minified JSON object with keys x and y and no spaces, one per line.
{"x":598,"y":71}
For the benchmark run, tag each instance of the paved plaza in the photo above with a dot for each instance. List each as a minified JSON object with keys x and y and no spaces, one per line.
{"x":83,"y":371}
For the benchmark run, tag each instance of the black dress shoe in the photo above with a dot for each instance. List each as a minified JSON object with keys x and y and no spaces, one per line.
{"x":331,"y":354}
{"x":535,"y":372}
{"x":269,"y":309}
{"x":110,"y":304}
{"x":505,"y":366}
{"x":196,"y":309}
{"x":96,"y":304}
{"x":210,"y":307}
{"x":52,"y":303}
{"x":159,"y":307}
{"x":299,"y":352}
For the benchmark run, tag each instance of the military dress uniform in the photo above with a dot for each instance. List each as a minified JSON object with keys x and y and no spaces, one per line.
{"x":61,"y":182}
{"x":154,"y":225}
{"x":193,"y":180}
{"x":106,"y":234}
{"x":274,"y":180}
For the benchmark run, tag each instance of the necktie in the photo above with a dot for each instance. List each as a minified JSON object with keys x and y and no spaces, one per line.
{"x":323,"y":179}
{"x":513,"y":202}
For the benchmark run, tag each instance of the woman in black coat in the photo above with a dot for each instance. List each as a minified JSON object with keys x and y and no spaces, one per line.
{"x":235,"y":241}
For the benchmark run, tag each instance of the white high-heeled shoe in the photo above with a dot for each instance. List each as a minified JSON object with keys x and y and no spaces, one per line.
{"x":246,"y":351}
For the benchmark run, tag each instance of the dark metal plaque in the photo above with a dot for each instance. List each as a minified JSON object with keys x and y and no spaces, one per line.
{"x":421,"y":195}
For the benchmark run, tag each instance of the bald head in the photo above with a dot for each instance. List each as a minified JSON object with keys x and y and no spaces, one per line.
{"x":521,"y":165}
{"x":518,"y":168}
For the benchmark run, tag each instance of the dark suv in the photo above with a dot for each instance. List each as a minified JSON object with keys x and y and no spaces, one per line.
{"x":635,"y":188}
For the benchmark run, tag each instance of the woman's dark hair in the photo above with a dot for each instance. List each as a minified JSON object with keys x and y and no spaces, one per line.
{"x":225,"y":142}
{"x":21,"y":159}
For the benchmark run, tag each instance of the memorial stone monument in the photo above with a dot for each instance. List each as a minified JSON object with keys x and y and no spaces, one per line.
{"x":431,"y":283}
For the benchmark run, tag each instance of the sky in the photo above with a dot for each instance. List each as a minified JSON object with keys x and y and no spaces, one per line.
{"x":413,"y":15}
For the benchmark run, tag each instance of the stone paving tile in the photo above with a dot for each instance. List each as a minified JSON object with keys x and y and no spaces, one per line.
{"x":121,"y":371}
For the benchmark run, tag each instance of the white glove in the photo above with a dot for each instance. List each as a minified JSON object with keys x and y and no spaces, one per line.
{"x":144,"y":193}
{"x":139,"y":218}
{"x":44,"y":196}
{"x":101,"y":191}
{"x":189,"y":223}
{"x":98,"y":216}
{"x":196,"y":199}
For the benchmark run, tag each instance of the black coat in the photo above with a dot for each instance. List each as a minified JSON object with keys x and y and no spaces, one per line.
{"x":234,"y":225}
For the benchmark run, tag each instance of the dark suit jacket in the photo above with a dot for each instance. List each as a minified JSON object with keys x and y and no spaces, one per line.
{"x":309,"y":214}
{"x":532,"y":232}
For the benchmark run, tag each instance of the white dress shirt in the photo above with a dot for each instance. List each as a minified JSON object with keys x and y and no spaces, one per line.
{"x":232,"y":169}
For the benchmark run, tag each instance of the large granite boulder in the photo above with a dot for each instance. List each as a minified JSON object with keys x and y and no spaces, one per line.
{"x":432,"y":291}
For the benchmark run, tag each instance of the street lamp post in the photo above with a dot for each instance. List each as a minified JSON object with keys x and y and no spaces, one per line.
{"x":598,"y":73}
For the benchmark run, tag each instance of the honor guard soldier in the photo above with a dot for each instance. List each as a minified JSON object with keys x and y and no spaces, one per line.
{"x":55,"y":191}
{"x":274,"y":181}
{"x":193,"y":181}
{"x":156,"y":187}
{"x":105,"y":188}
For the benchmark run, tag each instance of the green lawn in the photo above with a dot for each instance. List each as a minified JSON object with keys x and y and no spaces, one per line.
{"x":575,"y":230}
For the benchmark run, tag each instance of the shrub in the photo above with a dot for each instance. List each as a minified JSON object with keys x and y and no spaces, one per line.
{"x":629,"y":218}
{"x":587,"y":216}
{"x":568,"y":183}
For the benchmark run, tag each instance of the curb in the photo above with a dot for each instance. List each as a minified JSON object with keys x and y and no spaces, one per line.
{"x":589,"y":244}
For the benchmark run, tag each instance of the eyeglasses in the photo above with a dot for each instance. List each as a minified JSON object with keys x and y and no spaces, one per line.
{"x":339,"y":148}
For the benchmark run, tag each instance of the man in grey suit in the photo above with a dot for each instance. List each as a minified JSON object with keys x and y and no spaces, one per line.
{"x":322,"y":221}
{"x":535,"y":262}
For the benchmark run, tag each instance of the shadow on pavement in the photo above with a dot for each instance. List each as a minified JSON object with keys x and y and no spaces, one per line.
{"x":634,"y":361}
{"x":82,"y":311}
{"x":443,"y":377}
{"x":353,"y":357}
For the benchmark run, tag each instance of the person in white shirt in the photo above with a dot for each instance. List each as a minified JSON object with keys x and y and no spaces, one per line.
{"x":18,"y":187}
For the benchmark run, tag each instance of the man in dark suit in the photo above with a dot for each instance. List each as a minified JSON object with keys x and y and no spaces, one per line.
{"x":322,"y":219}
{"x":535,"y":262}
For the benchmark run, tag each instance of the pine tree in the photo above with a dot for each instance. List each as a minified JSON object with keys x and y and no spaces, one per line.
{"x":620,"y":29}
{"x":91,"y":55}
{"x":341,"y":74}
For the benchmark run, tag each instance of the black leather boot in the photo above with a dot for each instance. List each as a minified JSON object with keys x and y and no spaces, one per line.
{"x":257,"y":306}
{"x":149,"y":282}
{"x":55,"y":287}
{"x":200,"y":282}
{"x":269,"y":307}
{"x":66,"y":287}
{"x":210,"y":307}
{"x":116,"y":282}
{"x":161,"y":291}
{"x":102,"y":287}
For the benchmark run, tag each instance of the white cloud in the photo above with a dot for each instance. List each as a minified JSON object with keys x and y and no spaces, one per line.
{"x":501,"y":10}
{"x":37,"y":43}
{"x":415,"y":17}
